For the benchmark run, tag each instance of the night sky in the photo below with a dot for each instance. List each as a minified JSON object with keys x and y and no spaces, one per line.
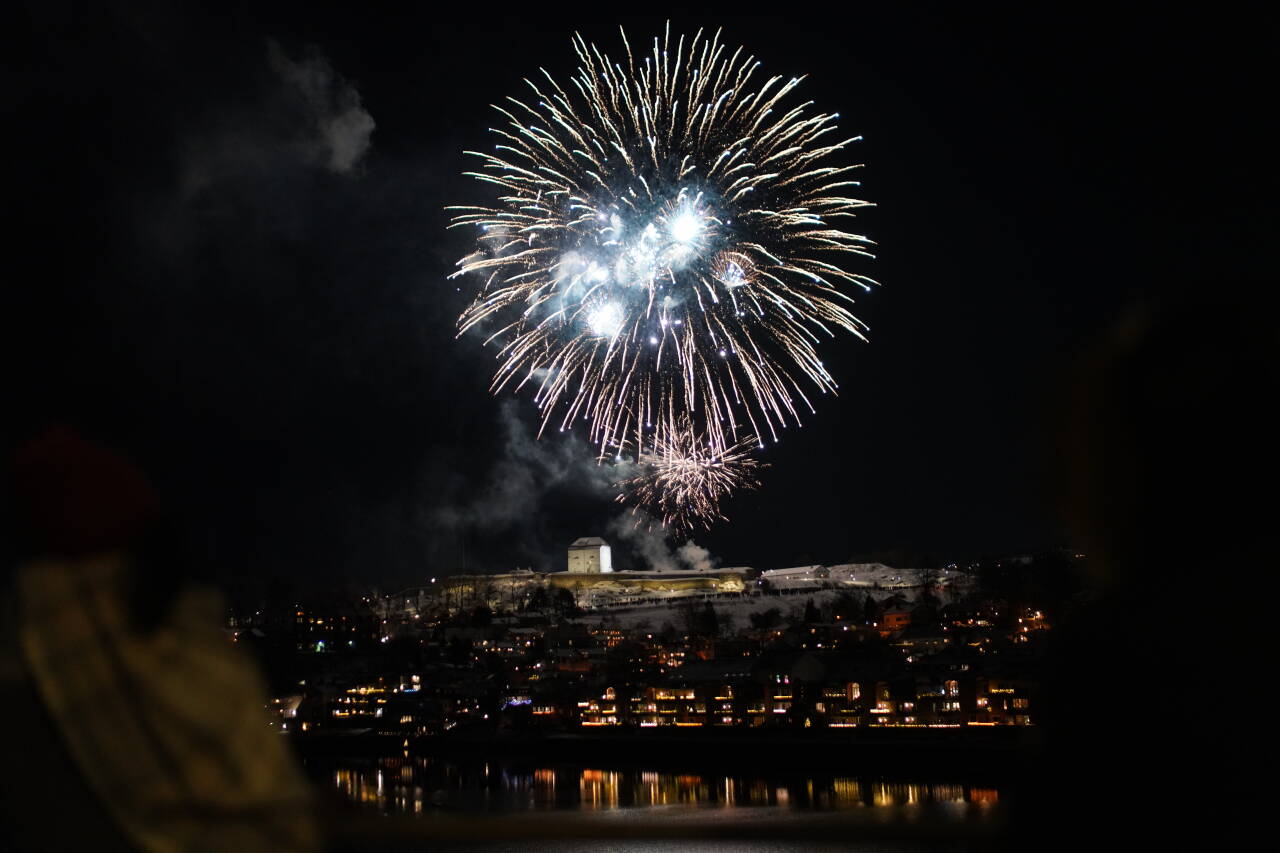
{"x":258,"y":313}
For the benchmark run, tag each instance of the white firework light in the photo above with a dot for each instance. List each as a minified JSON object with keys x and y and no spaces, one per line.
{"x":667,"y":250}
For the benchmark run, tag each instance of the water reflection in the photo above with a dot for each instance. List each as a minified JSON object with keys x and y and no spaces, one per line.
{"x":421,"y":785}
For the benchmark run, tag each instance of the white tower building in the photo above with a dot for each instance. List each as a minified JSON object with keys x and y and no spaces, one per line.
{"x":590,"y":555}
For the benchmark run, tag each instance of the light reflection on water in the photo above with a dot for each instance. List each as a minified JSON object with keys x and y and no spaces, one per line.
{"x":428,"y":786}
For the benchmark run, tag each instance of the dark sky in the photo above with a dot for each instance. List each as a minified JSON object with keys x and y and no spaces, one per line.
{"x":262,"y":320}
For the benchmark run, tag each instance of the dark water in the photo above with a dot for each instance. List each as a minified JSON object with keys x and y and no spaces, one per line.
{"x":547,"y":806}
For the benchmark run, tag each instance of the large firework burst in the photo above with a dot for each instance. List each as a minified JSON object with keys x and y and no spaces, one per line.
{"x":667,"y":249}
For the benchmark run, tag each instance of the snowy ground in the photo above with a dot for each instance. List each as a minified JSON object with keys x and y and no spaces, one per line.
{"x":737,"y":608}
{"x":733,"y":607}
{"x":655,"y":605}
{"x":794,"y":586}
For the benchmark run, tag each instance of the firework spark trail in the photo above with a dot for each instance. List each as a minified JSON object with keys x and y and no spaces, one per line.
{"x":666,"y":251}
{"x":681,"y":481}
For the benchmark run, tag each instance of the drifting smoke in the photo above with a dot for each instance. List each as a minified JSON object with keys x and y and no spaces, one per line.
{"x":646,"y":540}
{"x":340,"y":126}
{"x":305,"y":115}
{"x":526,"y":473}
{"x":695,"y":556}
{"x":650,"y":542}
{"x":529,"y":474}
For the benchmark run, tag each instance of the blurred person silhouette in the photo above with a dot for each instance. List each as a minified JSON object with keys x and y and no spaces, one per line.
{"x":136,"y":724}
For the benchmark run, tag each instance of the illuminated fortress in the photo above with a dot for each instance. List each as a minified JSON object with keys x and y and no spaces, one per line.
{"x":590,"y":555}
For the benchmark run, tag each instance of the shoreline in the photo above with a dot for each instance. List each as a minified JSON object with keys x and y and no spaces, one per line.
{"x":959,"y":754}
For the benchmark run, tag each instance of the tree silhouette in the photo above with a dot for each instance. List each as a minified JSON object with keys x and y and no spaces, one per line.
{"x":811,"y":613}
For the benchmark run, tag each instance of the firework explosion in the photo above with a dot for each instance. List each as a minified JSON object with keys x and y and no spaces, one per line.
{"x":666,"y":253}
{"x":683,"y":480}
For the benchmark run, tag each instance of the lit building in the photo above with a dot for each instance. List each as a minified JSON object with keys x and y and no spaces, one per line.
{"x":590,"y":555}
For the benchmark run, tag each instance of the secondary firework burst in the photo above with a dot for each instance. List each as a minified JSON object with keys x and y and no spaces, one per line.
{"x":681,"y":481}
{"x":668,"y":247}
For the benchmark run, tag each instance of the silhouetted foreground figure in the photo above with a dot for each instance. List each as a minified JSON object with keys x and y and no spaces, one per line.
{"x":118,"y":664}
{"x":1149,"y":719}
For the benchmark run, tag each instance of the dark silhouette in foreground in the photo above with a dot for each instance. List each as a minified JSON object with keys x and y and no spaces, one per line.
{"x":1159,"y":438}
{"x":140,"y":725}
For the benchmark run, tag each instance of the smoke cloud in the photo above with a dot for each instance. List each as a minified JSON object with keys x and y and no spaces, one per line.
{"x":638,"y":530}
{"x":530,"y":476}
{"x":527,"y":471}
{"x":695,"y":556}
{"x":305,"y":115}
{"x":339,"y":126}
